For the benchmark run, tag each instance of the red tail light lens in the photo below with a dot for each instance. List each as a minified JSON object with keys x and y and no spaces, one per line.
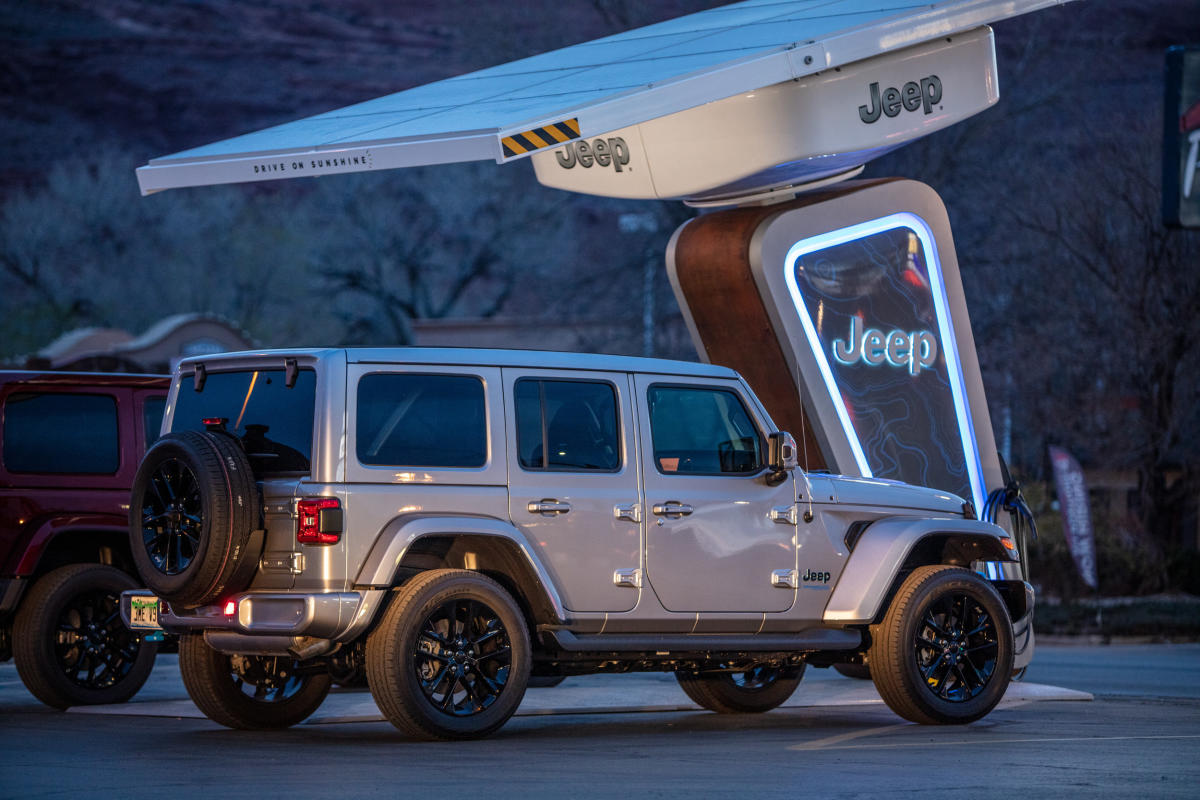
{"x":318,"y":520}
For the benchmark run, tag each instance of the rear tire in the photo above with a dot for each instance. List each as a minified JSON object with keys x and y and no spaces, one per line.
{"x":249,"y":692}
{"x":69,"y":643}
{"x":193,"y":508}
{"x":751,"y":691}
{"x":944,"y":651}
{"x":450,"y":658}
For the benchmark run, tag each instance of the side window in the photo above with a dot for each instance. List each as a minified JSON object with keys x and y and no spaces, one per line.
{"x":152,"y":414}
{"x":702,"y":431}
{"x":412,"y":420}
{"x":567,"y":425}
{"x":61,"y":433}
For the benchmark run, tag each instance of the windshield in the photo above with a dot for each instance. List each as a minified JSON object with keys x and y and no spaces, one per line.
{"x":274,"y":423}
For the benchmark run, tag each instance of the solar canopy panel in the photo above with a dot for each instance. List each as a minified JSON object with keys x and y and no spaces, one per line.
{"x":513,"y":110}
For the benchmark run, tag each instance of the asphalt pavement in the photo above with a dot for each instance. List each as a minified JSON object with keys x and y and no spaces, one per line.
{"x":1088,"y":721}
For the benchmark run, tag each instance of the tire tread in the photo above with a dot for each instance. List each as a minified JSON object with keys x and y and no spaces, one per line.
{"x":35,"y":624}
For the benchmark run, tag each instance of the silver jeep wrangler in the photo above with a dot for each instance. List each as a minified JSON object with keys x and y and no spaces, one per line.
{"x":453,"y":522}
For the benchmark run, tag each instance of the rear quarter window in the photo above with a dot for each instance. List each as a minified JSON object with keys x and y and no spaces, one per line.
{"x":59,"y":433}
{"x":418,"y":420}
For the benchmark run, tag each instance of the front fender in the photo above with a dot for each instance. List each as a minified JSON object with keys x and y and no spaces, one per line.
{"x":881,"y":552}
{"x":379,"y":569}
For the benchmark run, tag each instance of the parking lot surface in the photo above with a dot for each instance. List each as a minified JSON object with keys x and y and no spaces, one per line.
{"x":1089,"y":721}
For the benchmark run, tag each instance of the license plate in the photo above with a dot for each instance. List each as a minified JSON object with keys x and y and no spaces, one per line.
{"x":143,"y":612}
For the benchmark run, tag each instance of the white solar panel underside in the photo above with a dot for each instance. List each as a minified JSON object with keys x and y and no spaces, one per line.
{"x":583,"y":90}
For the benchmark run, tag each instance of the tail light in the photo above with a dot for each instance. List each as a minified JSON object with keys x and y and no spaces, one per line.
{"x":318,"y":520}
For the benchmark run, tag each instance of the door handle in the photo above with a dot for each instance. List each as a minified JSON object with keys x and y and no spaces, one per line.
{"x":548,"y":507}
{"x":672,"y":508}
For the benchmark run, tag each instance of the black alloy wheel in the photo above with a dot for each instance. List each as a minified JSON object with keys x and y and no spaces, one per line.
{"x":744,"y":689}
{"x":195,"y":519}
{"x":249,"y":692}
{"x":450,"y":657}
{"x":462,"y":657}
{"x":94,"y":648}
{"x":955,"y":647}
{"x":943,"y":651}
{"x":172,"y":510}
{"x":756,"y":678}
{"x":70,"y":644}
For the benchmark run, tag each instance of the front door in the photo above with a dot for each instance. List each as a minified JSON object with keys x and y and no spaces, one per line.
{"x":573,"y":478}
{"x":713,"y":541}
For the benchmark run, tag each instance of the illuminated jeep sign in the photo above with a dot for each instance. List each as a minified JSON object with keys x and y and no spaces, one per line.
{"x":873,"y":347}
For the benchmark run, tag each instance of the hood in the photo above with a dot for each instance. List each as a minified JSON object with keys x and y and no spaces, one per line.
{"x":893,"y":494}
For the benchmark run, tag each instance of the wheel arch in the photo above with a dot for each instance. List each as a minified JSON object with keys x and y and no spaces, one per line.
{"x":482,"y":544}
{"x":890,"y":549}
{"x":79,"y":539}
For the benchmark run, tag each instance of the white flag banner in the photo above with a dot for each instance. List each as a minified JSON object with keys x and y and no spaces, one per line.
{"x":1076,"y":515}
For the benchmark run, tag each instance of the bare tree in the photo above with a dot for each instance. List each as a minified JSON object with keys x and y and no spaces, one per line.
{"x":1130,"y":289}
{"x":460,"y":240}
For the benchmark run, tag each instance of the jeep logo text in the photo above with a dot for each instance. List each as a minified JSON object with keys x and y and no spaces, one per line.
{"x":909,"y":97}
{"x":611,"y":152}
{"x":900,"y":349}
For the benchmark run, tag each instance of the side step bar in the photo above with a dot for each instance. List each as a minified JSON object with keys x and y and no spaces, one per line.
{"x":811,"y":639}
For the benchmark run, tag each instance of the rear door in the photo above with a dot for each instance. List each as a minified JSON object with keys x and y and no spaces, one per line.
{"x":717,"y":534}
{"x":573,"y":482}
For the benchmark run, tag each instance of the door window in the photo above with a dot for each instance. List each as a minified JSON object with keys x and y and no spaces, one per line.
{"x":702,"y":431}
{"x":567,"y":425}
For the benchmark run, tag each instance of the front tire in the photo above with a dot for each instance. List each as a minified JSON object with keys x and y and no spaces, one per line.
{"x":944,"y":651}
{"x":249,"y":692}
{"x":450,"y":658}
{"x":69,"y":643}
{"x":753,"y":690}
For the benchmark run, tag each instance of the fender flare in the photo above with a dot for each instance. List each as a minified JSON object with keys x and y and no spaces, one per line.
{"x":55,"y":527}
{"x":399,"y":535}
{"x":879,"y":555}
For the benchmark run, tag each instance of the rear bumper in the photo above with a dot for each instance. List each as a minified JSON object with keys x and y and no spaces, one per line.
{"x":337,"y":616}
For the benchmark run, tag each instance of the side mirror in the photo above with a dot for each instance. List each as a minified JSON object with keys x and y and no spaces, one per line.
{"x":781,"y":456}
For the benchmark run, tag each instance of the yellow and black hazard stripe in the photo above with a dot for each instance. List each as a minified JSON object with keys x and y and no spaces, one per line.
{"x":550,"y":135}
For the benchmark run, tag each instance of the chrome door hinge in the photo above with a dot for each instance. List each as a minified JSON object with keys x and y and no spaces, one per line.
{"x":785,"y":579}
{"x":784,"y":515}
{"x":631,"y":512}
{"x":282,"y":562}
{"x":628,"y":577}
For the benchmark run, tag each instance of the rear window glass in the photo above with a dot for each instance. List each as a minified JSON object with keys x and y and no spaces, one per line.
{"x":413,"y":420}
{"x":275,"y":423}
{"x":61,"y":433}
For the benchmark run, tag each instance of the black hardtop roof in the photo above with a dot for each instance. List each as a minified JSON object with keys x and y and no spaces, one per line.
{"x":83,"y":379}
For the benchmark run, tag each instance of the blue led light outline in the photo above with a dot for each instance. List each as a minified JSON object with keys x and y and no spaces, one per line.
{"x":941,"y":301}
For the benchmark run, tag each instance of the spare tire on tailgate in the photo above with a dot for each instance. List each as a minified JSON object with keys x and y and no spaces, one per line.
{"x":194,"y":517}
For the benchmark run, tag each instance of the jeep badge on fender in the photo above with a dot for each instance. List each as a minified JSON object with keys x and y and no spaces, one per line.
{"x":910,"y":97}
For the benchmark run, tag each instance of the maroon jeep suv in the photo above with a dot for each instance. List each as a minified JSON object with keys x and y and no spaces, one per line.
{"x":70,"y":444}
